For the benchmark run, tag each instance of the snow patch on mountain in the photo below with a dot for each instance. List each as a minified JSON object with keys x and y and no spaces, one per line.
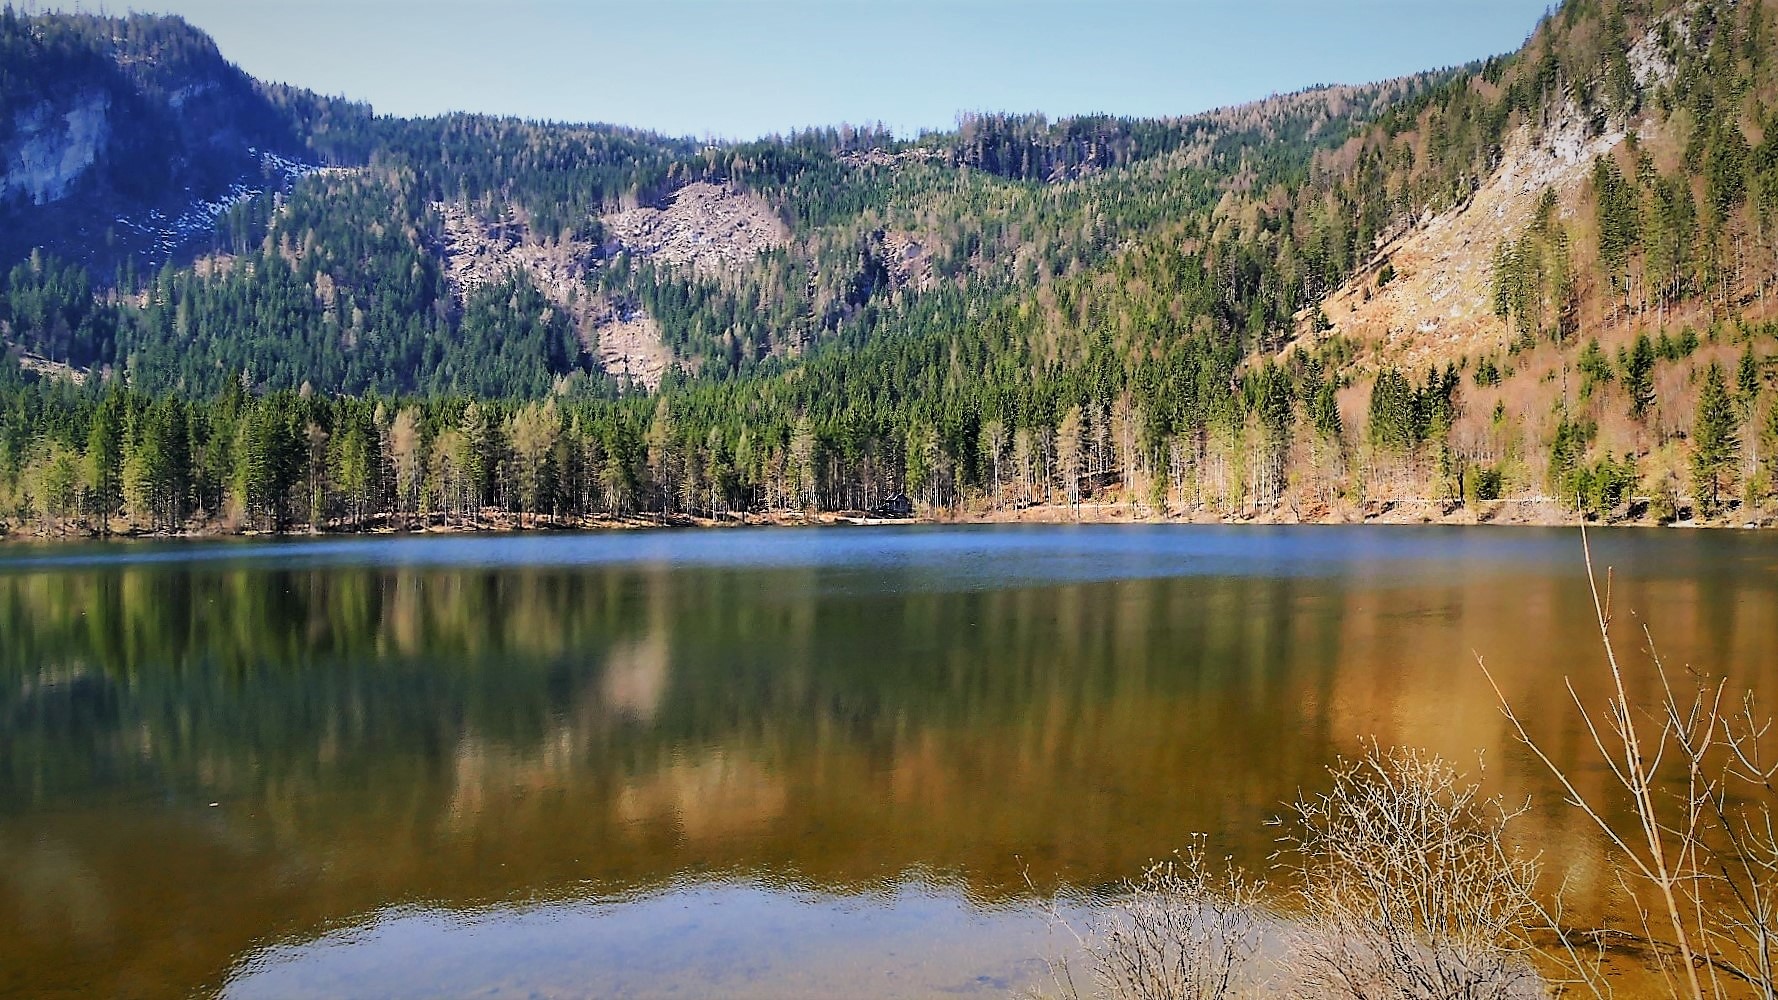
{"x":168,"y":232}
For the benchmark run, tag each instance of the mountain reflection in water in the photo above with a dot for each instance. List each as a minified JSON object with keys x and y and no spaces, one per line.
{"x":540,"y":761}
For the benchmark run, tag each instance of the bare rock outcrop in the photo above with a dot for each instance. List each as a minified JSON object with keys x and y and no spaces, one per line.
{"x":627,"y":343}
{"x":43,"y":367}
{"x":54,"y":147}
{"x":708,"y":230}
{"x":907,"y":259}
{"x":478,"y":252}
{"x":1438,"y":305}
{"x":878,"y":157}
{"x":711,"y":229}
{"x":622,"y":338}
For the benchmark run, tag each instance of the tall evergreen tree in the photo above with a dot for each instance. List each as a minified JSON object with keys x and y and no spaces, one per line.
{"x":1715,"y":446}
{"x":1392,"y":417}
{"x":1639,"y":377}
{"x":104,"y":459}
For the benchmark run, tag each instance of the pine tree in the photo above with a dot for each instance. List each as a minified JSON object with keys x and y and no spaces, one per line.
{"x":618,"y":475}
{"x":480,"y":459}
{"x":1568,"y":448}
{"x":534,"y":431}
{"x":1594,"y":368}
{"x":1619,"y":221}
{"x":663,"y":456}
{"x":1068,"y":453}
{"x":157,"y":466}
{"x":268,"y":461}
{"x":450,"y":452}
{"x":993,"y":448}
{"x":59,"y":485}
{"x":1501,"y":283}
{"x":1747,"y":382}
{"x":804,"y":446}
{"x":917,"y":470}
{"x":407,"y":456}
{"x":353,"y":468}
{"x":1324,"y":411}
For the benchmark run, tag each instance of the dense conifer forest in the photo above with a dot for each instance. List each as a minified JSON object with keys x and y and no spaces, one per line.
{"x":1015,"y":313}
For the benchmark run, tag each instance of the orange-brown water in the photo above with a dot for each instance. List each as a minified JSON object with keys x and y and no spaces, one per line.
{"x":776,"y":762}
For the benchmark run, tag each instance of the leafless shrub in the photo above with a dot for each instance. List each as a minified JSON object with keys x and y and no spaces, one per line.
{"x":1747,"y":851}
{"x":1409,"y":887}
{"x":1409,"y":890}
{"x":1183,"y":931}
{"x":1697,"y":771}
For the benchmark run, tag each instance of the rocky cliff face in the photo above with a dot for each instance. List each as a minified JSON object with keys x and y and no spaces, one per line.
{"x":53,"y":147}
{"x":122,"y":136}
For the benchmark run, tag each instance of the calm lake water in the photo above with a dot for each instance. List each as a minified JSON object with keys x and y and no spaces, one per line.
{"x":768,"y":763}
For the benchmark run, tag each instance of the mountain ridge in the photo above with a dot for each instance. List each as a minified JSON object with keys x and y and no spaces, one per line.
{"x":1451,"y":288}
{"x":560,"y":183}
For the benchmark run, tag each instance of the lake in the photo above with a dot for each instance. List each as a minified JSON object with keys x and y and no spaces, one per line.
{"x":774,"y":762}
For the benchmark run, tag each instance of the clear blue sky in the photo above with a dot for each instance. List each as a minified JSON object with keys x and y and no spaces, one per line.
{"x":742,"y":68}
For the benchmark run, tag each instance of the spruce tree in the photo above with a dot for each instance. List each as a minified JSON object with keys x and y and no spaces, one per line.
{"x":1639,"y":377}
{"x":1392,"y":411}
{"x":1324,"y":410}
{"x":1714,"y":443}
{"x":104,"y":459}
{"x":1747,"y":381}
{"x":481,"y":454}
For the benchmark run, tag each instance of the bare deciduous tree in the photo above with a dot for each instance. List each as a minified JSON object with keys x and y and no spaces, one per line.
{"x":1696,"y":771}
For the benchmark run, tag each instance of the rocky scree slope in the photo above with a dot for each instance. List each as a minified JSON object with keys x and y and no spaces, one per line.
{"x":621,"y":337}
{"x":1427,"y":295}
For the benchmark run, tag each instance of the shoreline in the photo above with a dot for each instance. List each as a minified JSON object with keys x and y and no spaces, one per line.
{"x":1536,"y":513}
{"x":1541,"y":512}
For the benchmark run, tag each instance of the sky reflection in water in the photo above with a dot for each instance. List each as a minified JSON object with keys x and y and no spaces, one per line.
{"x":726,"y":939}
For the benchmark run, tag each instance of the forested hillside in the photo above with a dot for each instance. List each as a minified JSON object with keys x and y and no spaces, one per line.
{"x":1529,"y":289}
